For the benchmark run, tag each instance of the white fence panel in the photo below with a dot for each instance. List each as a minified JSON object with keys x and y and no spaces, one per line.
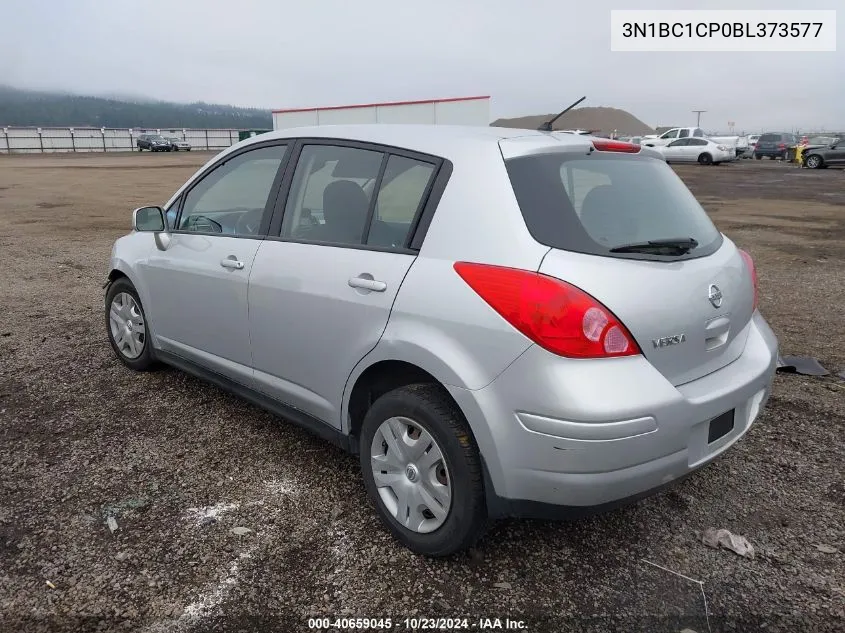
{"x":28,"y":140}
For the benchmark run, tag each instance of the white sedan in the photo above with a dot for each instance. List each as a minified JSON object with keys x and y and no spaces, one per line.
{"x":694,"y":149}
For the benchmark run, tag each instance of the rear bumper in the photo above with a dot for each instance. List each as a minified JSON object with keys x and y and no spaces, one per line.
{"x":573,"y":437}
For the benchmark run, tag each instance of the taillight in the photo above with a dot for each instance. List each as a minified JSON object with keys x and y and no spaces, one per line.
{"x":615,"y":146}
{"x":752,"y":269}
{"x":781,"y":146}
{"x":559,"y":317}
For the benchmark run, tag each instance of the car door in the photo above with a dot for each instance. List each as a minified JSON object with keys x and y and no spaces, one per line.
{"x":835,"y":154}
{"x":324,"y":281}
{"x":674,"y":152}
{"x":694,"y":148}
{"x":198,"y":279}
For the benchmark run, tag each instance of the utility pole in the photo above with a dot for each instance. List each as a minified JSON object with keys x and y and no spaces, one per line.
{"x":698,"y":121}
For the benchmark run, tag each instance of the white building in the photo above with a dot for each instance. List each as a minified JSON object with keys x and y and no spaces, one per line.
{"x":455,"y":111}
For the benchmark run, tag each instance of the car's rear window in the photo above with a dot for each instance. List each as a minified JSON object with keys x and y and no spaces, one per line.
{"x":768,"y":138}
{"x":594,"y":203}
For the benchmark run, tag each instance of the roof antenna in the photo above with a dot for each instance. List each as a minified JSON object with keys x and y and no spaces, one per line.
{"x":547,"y":126}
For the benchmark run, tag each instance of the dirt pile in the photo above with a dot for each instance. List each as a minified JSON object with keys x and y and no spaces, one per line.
{"x":604,"y":120}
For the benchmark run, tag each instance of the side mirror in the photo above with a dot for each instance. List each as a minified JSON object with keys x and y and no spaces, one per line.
{"x":148,"y":219}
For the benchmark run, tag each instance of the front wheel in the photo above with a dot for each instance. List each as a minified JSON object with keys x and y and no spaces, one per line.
{"x":814,"y":161}
{"x":127,"y":326}
{"x":705,"y":159}
{"x":422,"y":470}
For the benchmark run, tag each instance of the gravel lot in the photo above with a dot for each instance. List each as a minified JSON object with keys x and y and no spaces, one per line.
{"x":178,"y":463}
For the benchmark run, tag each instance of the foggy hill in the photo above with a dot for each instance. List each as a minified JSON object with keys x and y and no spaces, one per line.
{"x":45,"y":109}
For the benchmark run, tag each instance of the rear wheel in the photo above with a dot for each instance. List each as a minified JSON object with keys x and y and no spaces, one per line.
{"x":705,"y":159}
{"x":422,"y":470}
{"x":814,"y":161}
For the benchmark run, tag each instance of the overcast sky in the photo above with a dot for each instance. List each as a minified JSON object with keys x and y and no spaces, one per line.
{"x":531,"y":56}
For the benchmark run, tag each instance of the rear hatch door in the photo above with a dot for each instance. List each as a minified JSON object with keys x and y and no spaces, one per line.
{"x":667,"y":307}
{"x":769,"y":142}
{"x":624,"y":228}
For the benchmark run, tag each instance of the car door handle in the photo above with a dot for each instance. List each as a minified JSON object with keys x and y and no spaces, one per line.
{"x":232,"y":263}
{"x":367,"y":283}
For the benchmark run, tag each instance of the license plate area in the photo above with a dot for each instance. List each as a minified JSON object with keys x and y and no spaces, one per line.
{"x":720,"y":426}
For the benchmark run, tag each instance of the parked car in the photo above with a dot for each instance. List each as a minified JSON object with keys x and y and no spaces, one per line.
{"x":700,"y":150}
{"x":177,"y":144}
{"x":819,"y":156}
{"x":751,"y":143}
{"x":153,"y":142}
{"x":671,"y":135}
{"x":734,"y":144}
{"x":774,"y":145}
{"x":600,"y":339}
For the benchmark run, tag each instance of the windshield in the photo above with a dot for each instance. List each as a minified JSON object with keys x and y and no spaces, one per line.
{"x":822,"y":140}
{"x":600,"y":202}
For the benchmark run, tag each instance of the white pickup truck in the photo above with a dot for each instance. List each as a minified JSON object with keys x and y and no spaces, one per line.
{"x":738,"y":143}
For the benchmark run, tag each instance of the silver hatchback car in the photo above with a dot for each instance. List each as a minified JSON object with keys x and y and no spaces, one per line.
{"x":500,"y":322}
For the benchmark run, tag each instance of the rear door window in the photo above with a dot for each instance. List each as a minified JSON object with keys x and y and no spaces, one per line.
{"x":592,"y":204}
{"x":330,"y":197}
{"x":684,"y":133}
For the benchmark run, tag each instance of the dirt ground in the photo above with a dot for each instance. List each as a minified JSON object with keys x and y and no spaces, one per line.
{"x":178,"y":463}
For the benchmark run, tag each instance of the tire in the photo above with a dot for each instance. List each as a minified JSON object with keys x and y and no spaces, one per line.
{"x":117,"y":292}
{"x":758,"y":157}
{"x":814,"y":161}
{"x":427,"y":409}
{"x":705,"y":159}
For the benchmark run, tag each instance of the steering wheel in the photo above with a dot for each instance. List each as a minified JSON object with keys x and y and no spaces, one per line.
{"x":248,"y":223}
{"x":201,"y":224}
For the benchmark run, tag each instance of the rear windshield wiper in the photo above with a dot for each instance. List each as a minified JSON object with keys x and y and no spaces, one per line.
{"x":675,"y":246}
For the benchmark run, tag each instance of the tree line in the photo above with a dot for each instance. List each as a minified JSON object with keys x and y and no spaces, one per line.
{"x":43,"y":109}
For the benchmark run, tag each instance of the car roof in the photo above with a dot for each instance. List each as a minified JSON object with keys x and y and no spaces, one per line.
{"x":443,"y":140}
